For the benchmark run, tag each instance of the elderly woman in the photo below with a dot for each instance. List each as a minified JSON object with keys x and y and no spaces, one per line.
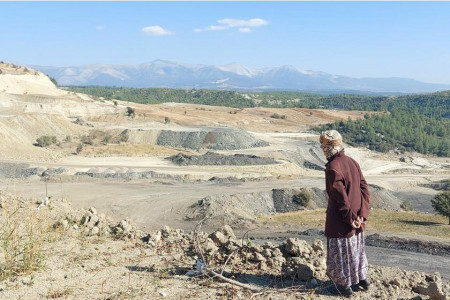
{"x":347,"y":211}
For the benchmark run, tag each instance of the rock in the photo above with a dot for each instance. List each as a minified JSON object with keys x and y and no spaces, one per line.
{"x":209,"y":246}
{"x":263,"y":266}
{"x":266,"y":253}
{"x":268,"y":245}
{"x":396,"y":282}
{"x":299,"y":248}
{"x":230,"y":246}
{"x":163,"y":294}
{"x":228,"y":232}
{"x":318,"y":246}
{"x":296,"y":266}
{"x":305,"y":272}
{"x":156,"y":237}
{"x":433,"y":288}
{"x":258,"y":257}
{"x":218,"y":237}
{"x":75,"y":226}
{"x":102,"y":218}
{"x":125,"y":226}
{"x":312,"y":284}
{"x":165,"y":231}
{"x":94,"y":231}
{"x":320,"y":267}
{"x":255,"y":248}
{"x":93,"y":221}
{"x":93,"y":210}
{"x":65,"y":224}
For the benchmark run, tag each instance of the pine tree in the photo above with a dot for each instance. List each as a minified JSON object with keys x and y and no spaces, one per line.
{"x":441,"y":203}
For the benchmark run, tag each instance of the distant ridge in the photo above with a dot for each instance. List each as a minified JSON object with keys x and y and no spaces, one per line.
{"x":234,"y":76}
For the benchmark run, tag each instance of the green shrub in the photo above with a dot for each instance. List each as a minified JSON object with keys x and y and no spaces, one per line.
{"x":407,"y":205}
{"x":130,"y":112}
{"x":124,"y":136}
{"x":107,"y":138}
{"x":53,"y":80}
{"x":45,"y":141}
{"x":302,"y":198}
{"x":79,"y":148}
{"x":85,"y":139}
{"x":277,"y":116}
{"x":441,"y":204}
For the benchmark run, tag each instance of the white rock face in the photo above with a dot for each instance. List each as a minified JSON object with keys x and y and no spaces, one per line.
{"x":29,"y":84}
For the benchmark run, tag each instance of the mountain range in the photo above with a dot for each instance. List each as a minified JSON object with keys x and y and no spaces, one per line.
{"x":234,"y":76}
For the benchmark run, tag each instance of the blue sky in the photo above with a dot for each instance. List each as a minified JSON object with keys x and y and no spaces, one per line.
{"x":357,"y":39}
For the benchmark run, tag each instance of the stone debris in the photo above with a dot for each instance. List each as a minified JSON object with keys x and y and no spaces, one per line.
{"x":212,"y":158}
{"x":432,"y":287}
{"x":241,"y":259}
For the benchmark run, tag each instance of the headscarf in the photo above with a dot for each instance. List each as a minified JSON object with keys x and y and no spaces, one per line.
{"x":331,"y":143}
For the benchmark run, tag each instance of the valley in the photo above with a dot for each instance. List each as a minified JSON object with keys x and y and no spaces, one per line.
{"x":122,"y":167}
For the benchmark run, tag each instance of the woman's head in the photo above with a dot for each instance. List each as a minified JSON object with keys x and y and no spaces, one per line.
{"x":331,"y":142}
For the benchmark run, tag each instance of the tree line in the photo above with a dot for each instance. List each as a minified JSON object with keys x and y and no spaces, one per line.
{"x":409,"y":122}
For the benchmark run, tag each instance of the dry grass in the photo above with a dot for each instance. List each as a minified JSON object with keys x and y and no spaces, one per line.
{"x":410,"y":222}
{"x":419,"y":224}
{"x":22,"y":236}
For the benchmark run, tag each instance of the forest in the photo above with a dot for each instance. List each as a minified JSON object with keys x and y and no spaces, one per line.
{"x":418,"y":122}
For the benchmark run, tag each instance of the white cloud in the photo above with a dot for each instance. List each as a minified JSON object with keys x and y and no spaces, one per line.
{"x":212,"y":28}
{"x":243,"y":23}
{"x":99,"y":28}
{"x":215,"y":27}
{"x":245,"y":29}
{"x":156,"y":31}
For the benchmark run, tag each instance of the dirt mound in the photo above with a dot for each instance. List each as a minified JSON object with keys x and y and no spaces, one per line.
{"x":383,"y":199}
{"x":286,"y":200}
{"x":242,"y":210}
{"x":238,"y":210}
{"x":211,"y":158}
{"x":216,"y":139}
{"x":127,"y":175}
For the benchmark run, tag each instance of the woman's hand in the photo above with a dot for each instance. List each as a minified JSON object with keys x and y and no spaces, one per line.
{"x":357,"y":223}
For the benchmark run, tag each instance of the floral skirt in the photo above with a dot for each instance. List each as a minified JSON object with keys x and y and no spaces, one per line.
{"x":346,"y":260}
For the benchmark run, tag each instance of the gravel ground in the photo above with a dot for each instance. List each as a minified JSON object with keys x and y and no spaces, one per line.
{"x":216,"y":159}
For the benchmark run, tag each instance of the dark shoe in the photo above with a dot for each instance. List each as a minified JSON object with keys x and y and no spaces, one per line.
{"x":340,"y":290}
{"x":363,"y":284}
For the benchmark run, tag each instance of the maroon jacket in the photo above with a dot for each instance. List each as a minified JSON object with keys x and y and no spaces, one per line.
{"x":348,"y":196}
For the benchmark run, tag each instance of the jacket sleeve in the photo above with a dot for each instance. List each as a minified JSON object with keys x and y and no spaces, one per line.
{"x":365,"y":197}
{"x":338,"y":194}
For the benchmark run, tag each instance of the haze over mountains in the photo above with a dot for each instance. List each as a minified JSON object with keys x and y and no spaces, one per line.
{"x":161,"y":73}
